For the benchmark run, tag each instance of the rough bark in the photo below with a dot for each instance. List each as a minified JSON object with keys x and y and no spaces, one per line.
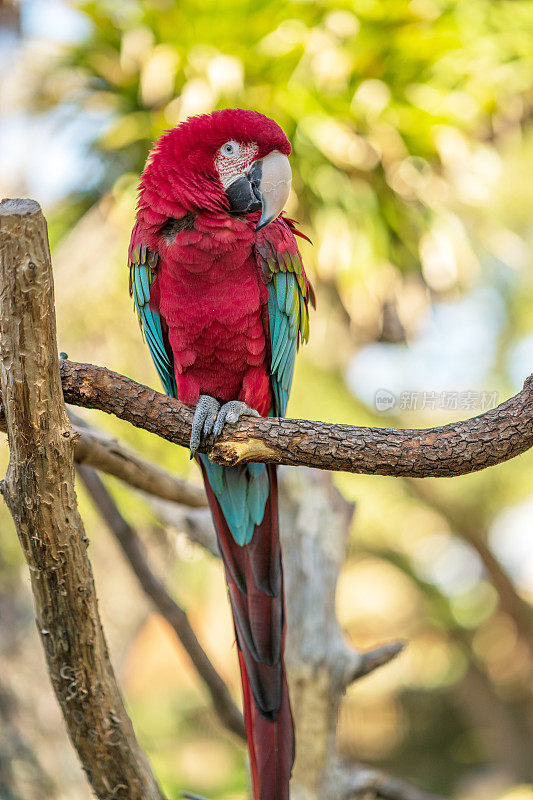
{"x":39,"y":490}
{"x":455,"y":449}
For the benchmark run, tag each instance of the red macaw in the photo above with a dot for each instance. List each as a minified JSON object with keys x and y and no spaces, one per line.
{"x":222,"y":298}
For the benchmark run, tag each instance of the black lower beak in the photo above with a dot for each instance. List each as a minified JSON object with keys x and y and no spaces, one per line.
{"x":243,"y":194}
{"x":266,"y":187}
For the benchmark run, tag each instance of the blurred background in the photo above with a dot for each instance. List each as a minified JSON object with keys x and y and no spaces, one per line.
{"x":411,"y":124}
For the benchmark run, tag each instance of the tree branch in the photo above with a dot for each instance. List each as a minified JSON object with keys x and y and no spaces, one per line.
{"x":153,"y":587}
{"x":358,"y":781}
{"x":454,"y":449}
{"x":95,"y":449}
{"x":22,"y":776}
{"x":365,"y":663}
{"x":195,"y":523}
{"x":39,"y":491}
{"x":98,"y":450}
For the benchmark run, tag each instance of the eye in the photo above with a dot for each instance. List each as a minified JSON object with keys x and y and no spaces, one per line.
{"x":230,"y":148}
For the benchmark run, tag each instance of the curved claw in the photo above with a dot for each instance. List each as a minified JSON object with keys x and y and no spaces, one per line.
{"x":205,"y":415}
{"x":232,"y":412}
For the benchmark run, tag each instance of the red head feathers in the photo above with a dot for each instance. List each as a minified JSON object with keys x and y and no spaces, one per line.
{"x":181,"y":174}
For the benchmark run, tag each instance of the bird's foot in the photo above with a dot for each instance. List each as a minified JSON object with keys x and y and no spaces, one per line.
{"x":205,"y":415}
{"x":232,"y":412}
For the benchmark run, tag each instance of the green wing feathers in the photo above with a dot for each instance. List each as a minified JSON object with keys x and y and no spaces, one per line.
{"x":142,"y":264}
{"x":289,"y":295}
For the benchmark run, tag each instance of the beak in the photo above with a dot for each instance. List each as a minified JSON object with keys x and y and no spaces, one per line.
{"x":275,"y":186}
{"x":265,"y":186}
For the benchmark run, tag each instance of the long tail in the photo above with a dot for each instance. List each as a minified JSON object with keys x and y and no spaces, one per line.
{"x":255,"y":585}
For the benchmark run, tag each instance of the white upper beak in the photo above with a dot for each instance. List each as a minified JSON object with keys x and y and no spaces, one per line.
{"x":275,"y":186}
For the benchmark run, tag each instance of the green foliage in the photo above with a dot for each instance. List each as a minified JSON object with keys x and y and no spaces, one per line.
{"x":385,"y":102}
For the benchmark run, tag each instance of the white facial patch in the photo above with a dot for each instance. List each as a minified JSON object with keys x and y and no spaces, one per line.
{"x":233,"y":159}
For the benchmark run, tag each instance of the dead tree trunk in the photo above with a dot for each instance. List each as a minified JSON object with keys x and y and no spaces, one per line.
{"x":39,"y":490}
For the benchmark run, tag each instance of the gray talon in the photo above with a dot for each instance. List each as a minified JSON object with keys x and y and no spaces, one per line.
{"x":205,"y":415}
{"x":232,"y":412}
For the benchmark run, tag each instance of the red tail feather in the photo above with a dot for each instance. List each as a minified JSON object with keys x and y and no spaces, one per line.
{"x":255,"y":584}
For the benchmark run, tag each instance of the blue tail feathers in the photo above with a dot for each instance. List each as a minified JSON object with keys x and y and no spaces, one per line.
{"x":242,"y":493}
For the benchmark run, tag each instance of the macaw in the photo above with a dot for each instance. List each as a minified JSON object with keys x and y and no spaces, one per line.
{"x":222,"y":299}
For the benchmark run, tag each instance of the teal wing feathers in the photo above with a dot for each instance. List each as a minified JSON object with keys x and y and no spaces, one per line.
{"x":289,"y":295}
{"x":142,"y":264}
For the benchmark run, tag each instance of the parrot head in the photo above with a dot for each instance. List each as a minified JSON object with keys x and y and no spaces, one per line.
{"x":231,"y":160}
